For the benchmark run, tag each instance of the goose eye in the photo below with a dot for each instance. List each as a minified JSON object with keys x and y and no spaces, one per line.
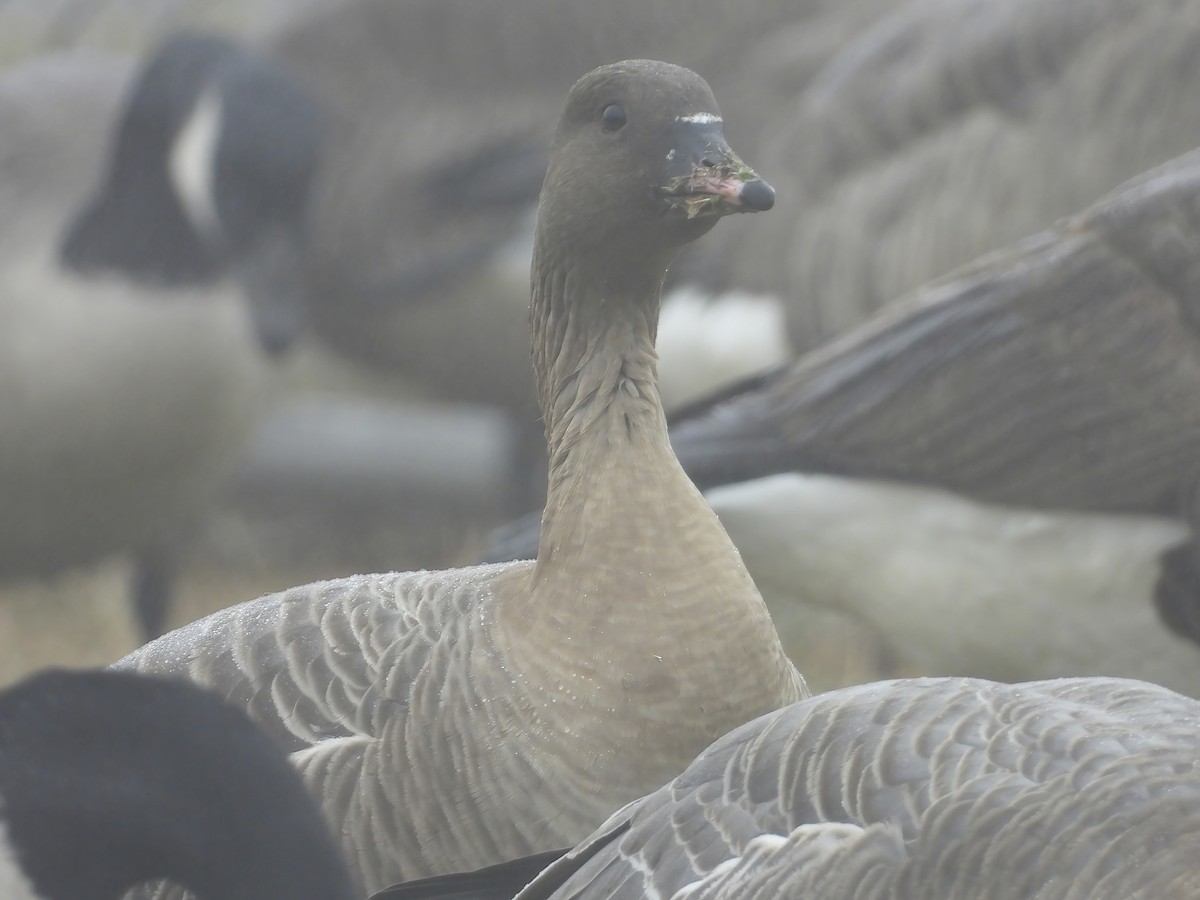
{"x":613,"y":117}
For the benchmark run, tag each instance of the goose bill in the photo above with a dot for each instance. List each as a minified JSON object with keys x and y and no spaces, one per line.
{"x":728,"y":187}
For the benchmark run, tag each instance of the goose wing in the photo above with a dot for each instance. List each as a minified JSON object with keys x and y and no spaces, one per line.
{"x":1086,"y":330}
{"x":330,"y":660}
{"x":919,"y":789}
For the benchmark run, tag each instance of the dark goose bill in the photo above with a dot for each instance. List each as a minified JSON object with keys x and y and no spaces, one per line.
{"x":711,"y":180}
{"x":718,"y":190}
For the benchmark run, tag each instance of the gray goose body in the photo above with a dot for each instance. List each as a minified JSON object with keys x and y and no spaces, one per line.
{"x":946,"y":129}
{"x":446,"y":720}
{"x":927,"y":790}
{"x":922,"y":789}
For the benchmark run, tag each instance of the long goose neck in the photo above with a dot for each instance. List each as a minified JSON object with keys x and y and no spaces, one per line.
{"x":596,"y":372}
{"x":596,"y":365}
{"x":634,"y":570}
{"x":625,"y":533}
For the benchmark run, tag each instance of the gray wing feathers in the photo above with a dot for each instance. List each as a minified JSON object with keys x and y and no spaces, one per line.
{"x":1088,"y":330}
{"x":331,"y":670}
{"x":927,"y":788}
{"x":333,"y":659}
{"x":300,"y":662}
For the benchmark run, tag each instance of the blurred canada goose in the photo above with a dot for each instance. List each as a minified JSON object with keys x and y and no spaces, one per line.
{"x":453,"y":719}
{"x":923,"y":789}
{"x":209,"y":173}
{"x":108,"y":779}
{"x":1056,"y":388}
{"x":130,"y":374}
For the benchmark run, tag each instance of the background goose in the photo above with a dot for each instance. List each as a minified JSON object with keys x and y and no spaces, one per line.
{"x":1055,"y":387}
{"x":464,"y":717}
{"x":130,"y":373}
{"x":975,"y":143}
{"x":946,"y":129}
{"x":916,"y":790}
{"x":108,"y":779}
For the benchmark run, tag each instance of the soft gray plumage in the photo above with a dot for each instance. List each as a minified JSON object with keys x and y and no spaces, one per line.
{"x":938,"y":788}
{"x":926,"y":789}
{"x":948,"y":129}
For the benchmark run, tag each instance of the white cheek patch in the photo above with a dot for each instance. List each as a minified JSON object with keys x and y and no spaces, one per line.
{"x":700,"y":118}
{"x":13,"y":883}
{"x":192,"y":165}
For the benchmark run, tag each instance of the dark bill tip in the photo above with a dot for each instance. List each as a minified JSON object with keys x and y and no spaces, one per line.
{"x":757,"y":195}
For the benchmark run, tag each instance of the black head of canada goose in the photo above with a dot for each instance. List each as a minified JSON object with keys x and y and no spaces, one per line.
{"x":209,"y":173}
{"x":460,"y":718}
{"x":109,"y":779}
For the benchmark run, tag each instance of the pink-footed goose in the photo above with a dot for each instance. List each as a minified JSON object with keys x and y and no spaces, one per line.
{"x":453,"y":719}
{"x":925,"y":789}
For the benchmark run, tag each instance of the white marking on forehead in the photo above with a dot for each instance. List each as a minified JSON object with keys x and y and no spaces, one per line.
{"x":700,"y":118}
{"x":192,"y":164}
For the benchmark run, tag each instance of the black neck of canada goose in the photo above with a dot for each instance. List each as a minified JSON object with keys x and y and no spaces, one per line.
{"x":109,"y":779}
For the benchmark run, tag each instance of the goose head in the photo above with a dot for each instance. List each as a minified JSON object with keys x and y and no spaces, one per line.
{"x":208,"y":174}
{"x":640,"y":167}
